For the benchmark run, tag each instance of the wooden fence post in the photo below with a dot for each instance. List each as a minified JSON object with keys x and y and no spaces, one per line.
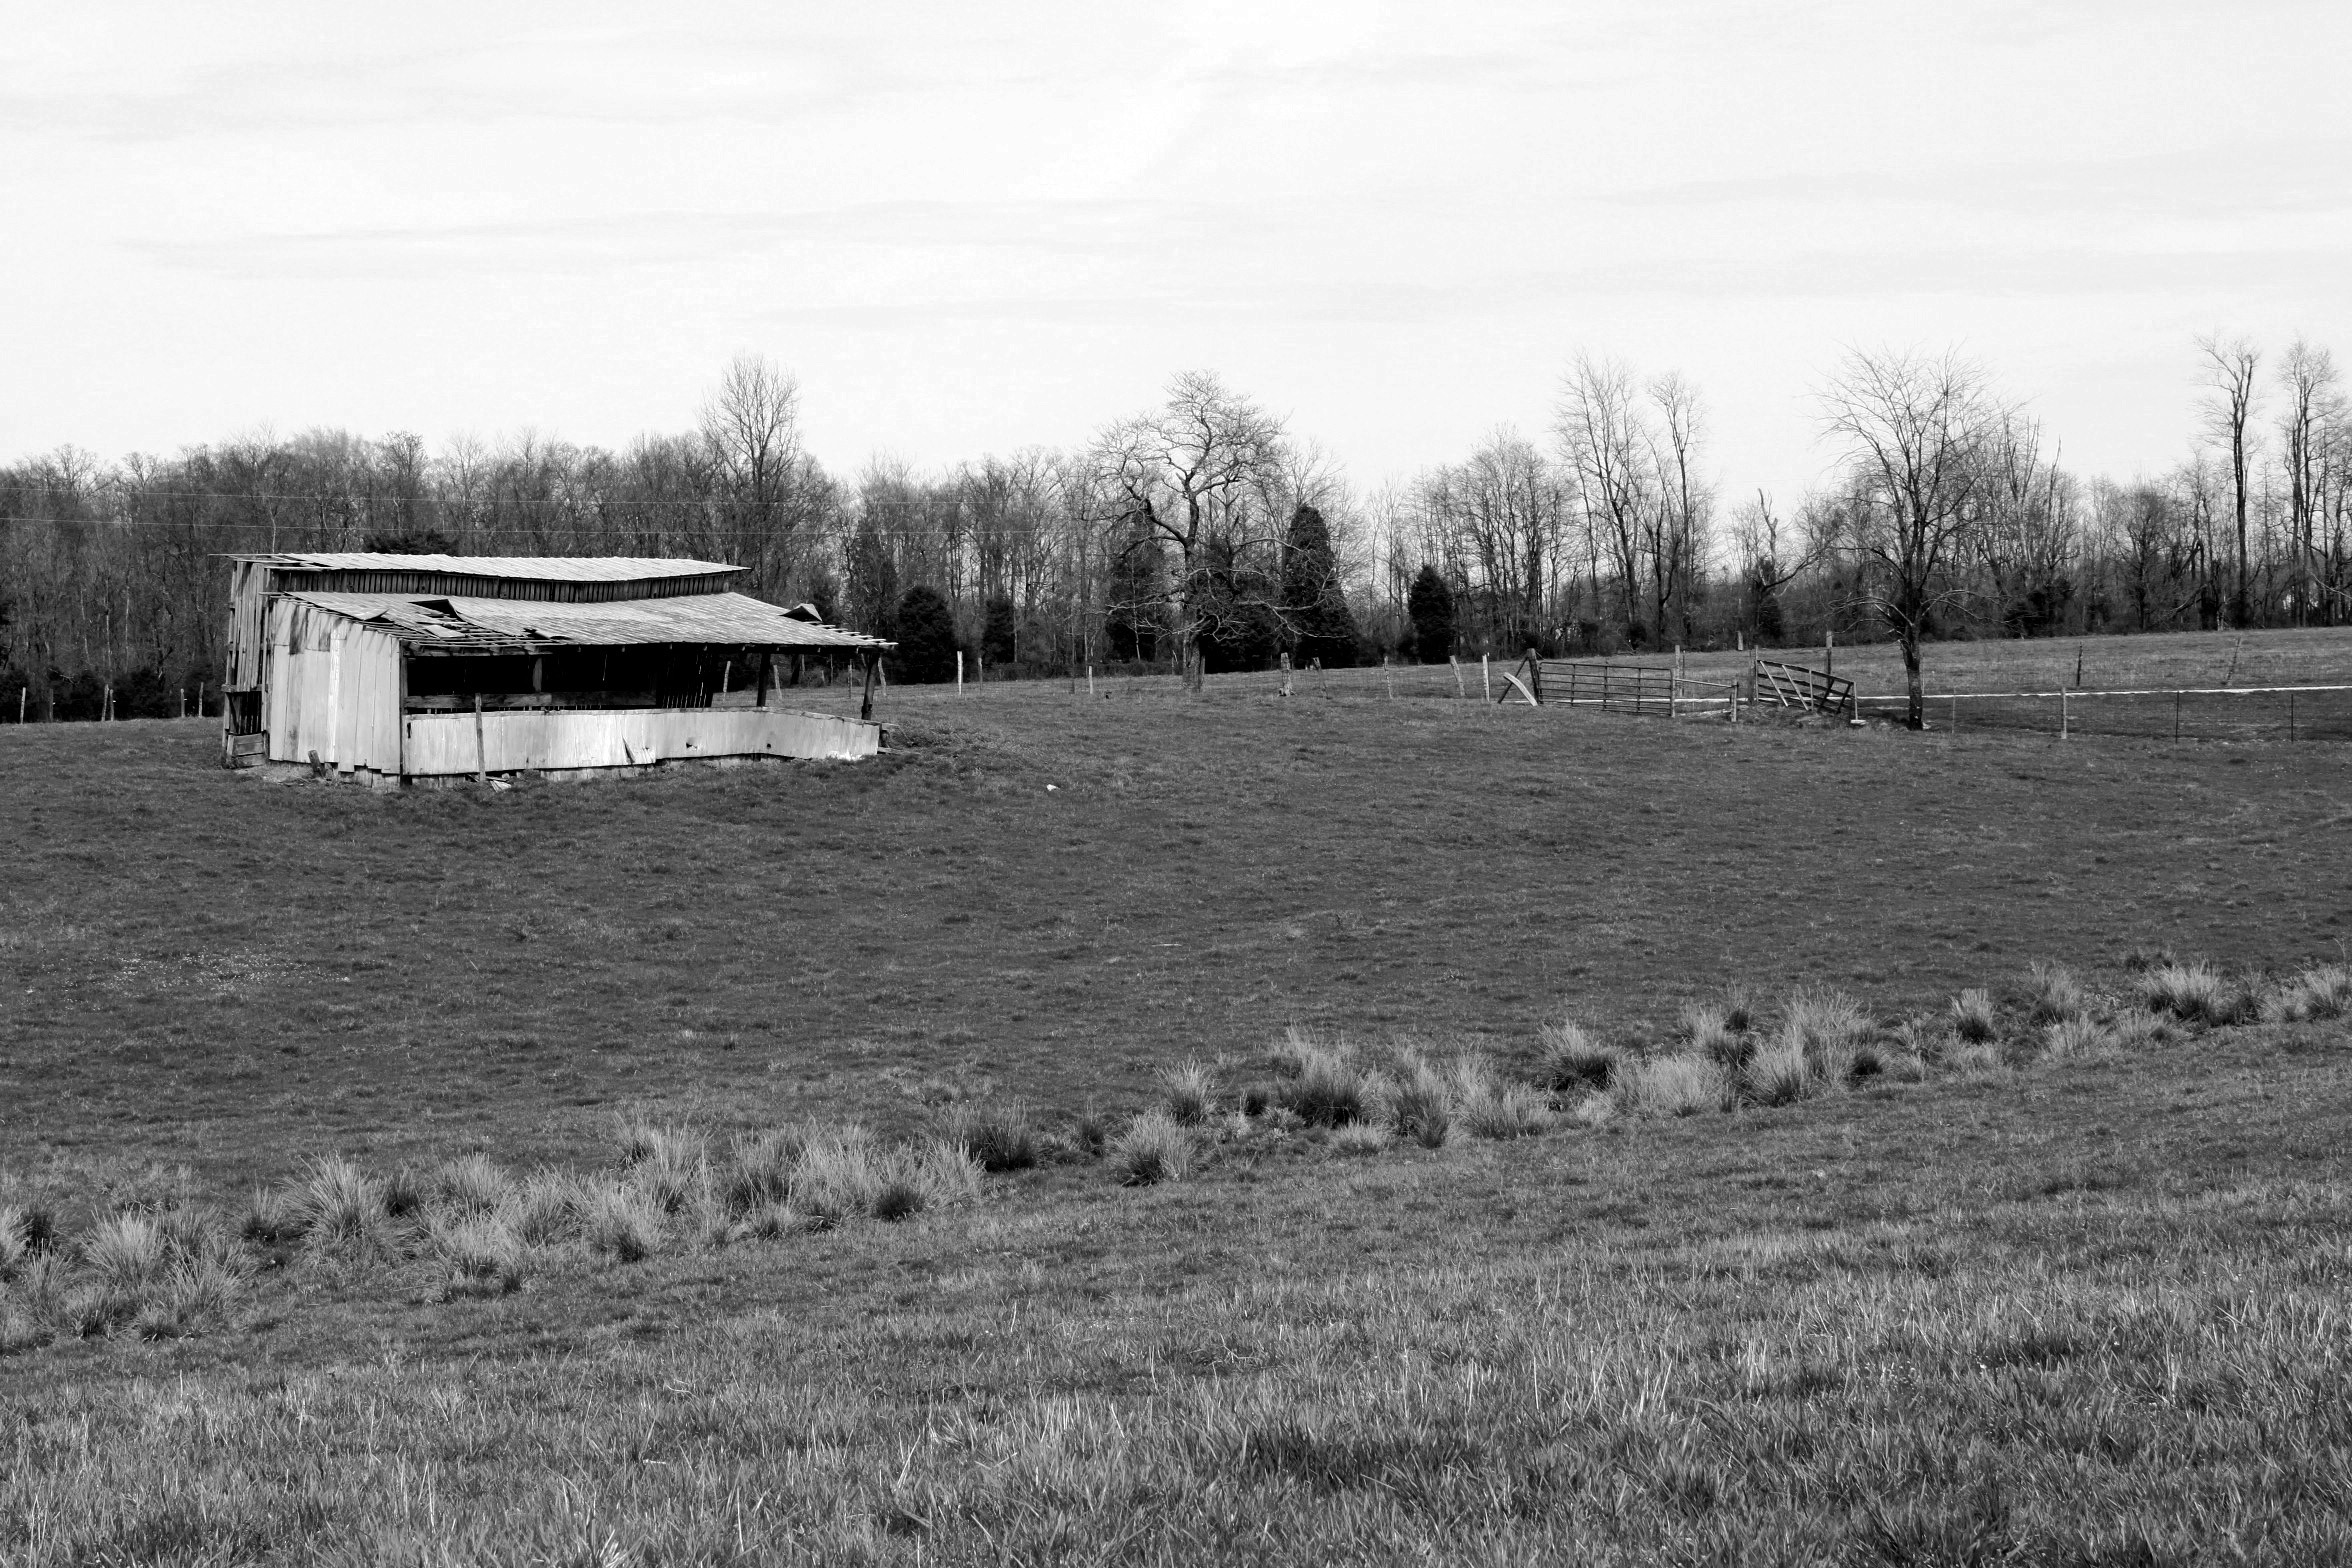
{"x":1486,"y":678}
{"x":959,"y":672}
{"x":1459,"y":690}
{"x":481,"y":758}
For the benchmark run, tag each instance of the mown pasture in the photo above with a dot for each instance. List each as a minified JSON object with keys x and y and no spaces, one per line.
{"x":2081,"y":1310}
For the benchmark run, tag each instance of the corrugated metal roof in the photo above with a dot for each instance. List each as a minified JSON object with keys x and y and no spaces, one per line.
{"x":545,"y":568}
{"x":430,"y":621}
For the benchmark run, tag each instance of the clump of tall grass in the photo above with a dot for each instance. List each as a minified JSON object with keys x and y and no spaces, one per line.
{"x":1001,"y":1136}
{"x":125,"y":1251}
{"x":1974,"y":1018}
{"x":339,"y":1202}
{"x":1830,"y":1027}
{"x":622,"y":1223}
{"x":1779,"y":1074}
{"x":1362,"y":1138}
{"x":543,"y":1208}
{"x":758,"y":1169}
{"x":1573,"y":1059}
{"x":484,"y":1256}
{"x":1188,"y":1092}
{"x":2078,"y":1038}
{"x":13,"y":1244}
{"x":1707,"y":1029}
{"x":1681,"y":1084}
{"x":672,"y":1168}
{"x":2321,"y":993}
{"x":1152,"y":1148}
{"x":2057,"y":996}
{"x":1422,"y":1106}
{"x":1325,"y":1087}
{"x":197,"y":1294}
{"x":2193,"y":993}
{"x":273,"y":1217}
{"x":1486,"y":1106}
{"x":471,"y":1184}
{"x":839,"y":1176}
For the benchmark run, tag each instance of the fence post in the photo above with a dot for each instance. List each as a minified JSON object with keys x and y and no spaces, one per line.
{"x":2290,"y":718}
{"x":1090,"y":680}
{"x":1535,"y":677}
{"x":959,"y":672}
{"x":1674,"y":687}
{"x":2062,"y":716}
{"x":1388,"y":673}
{"x":1485,"y":678}
{"x":1460,"y":692}
{"x":1286,"y":675}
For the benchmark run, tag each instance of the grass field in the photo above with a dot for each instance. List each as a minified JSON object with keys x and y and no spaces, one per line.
{"x":2048,"y":1310}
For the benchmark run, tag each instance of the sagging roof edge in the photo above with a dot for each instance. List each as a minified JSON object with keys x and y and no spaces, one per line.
{"x":440,"y":627}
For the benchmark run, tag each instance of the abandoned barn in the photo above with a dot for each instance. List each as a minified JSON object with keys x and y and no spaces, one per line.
{"x":404,"y":668}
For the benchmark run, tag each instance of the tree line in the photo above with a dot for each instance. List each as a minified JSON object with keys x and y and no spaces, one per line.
{"x":1202,"y":534}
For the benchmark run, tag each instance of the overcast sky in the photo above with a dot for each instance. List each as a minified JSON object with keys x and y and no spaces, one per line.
{"x":977,"y":227}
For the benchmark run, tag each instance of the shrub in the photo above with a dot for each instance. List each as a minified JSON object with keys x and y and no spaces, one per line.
{"x":339,"y":1202}
{"x":1423,"y":1108}
{"x":484,"y":1255}
{"x":2057,"y":995}
{"x":1000,"y":1137}
{"x":1188,"y":1092}
{"x":472,"y":1184}
{"x":125,"y":1251}
{"x":1154,"y":1147}
{"x":1779,"y":1074}
{"x":1361,"y":1138}
{"x":1573,"y":1059}
{"x":621,"y":1223}
{"x":1682,"y":1084}
{"x":2193,"y":993}
{"x":2321,"y":993}
{"x":1328,"y":1091}
{"x":1487,"y":1107}
{"x":1973,"y":1017}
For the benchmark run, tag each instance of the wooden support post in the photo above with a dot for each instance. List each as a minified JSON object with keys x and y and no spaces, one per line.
{"x":959,"y":672}
{"x":481,"y":753}
{"x":1486,"y":677}
{"x":1459,"y":691}
{"x":400,"y":718}
{"x":1090,"y":680}
{"x":1286,"y":675}
{"x":1535,"y":677}
{"x":1829,"y":653}
{"x":866,"y":706}
{"x":767,"y":667}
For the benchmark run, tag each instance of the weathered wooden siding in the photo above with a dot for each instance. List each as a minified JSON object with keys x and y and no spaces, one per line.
{"x":444,"y":743}
{"x":332,"y":687}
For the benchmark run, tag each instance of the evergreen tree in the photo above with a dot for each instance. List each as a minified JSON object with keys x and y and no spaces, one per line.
{"x":1430,"y":605}
{"x":1322,"y":627}
{"x":998,"y":641}
{"x":1239,"y":627}
{"x":926,"y":637}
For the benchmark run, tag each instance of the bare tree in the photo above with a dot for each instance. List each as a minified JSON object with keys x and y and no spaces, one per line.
{"x":751,"y":428}
{"x":1914,"y":431}
{"x":2232,"y":389}
{"x":1681,"y":501}
{"x":2308,"y":430}
{"x":1605,"y":439}
{"x":1199,"y":477}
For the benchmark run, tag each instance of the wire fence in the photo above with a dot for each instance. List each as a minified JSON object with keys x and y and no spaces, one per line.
{"x":2240,"y":713}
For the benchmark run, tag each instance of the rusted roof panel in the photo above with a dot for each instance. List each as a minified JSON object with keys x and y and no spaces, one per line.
{"x":541,"y":568}
{"x":428,"y":622}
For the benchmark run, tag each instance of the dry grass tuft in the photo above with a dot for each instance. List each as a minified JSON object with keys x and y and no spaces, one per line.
{"x":622,"y":1223}
{"x":1002,"y":1136}
{"x":1779,"y":1073}
{"x":198,"y":1295}
{"x":1188,"y":1092}
{"x":1831,"y":1028}
{"x":840,"y":1176}
{"x":484,"y":1254}
{"x":1326,"y":1088}
{"x":2079,"y":1038}
{"x":2056,"y":996}
{"x":1487,"y":1106}
{"x":1974,"y":1018}
{"x":2193,"y":993}
{"x":1422,"y":1108}
{"x":472,"y":1184}
{"x":1153,"y":1148}
{"x":544,"y":1208}
{"x":1682,"y":1084}
{"x":13,"y":1245}
{"x":125,"y":1251}
{"x":2314,"y":995}
{"x":758,"y":1171}
{"x":1361,"y":1139}
{"x":1573,"y":1059}
{"x":1707,"y":1029}
{"x":340,"y":1203}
